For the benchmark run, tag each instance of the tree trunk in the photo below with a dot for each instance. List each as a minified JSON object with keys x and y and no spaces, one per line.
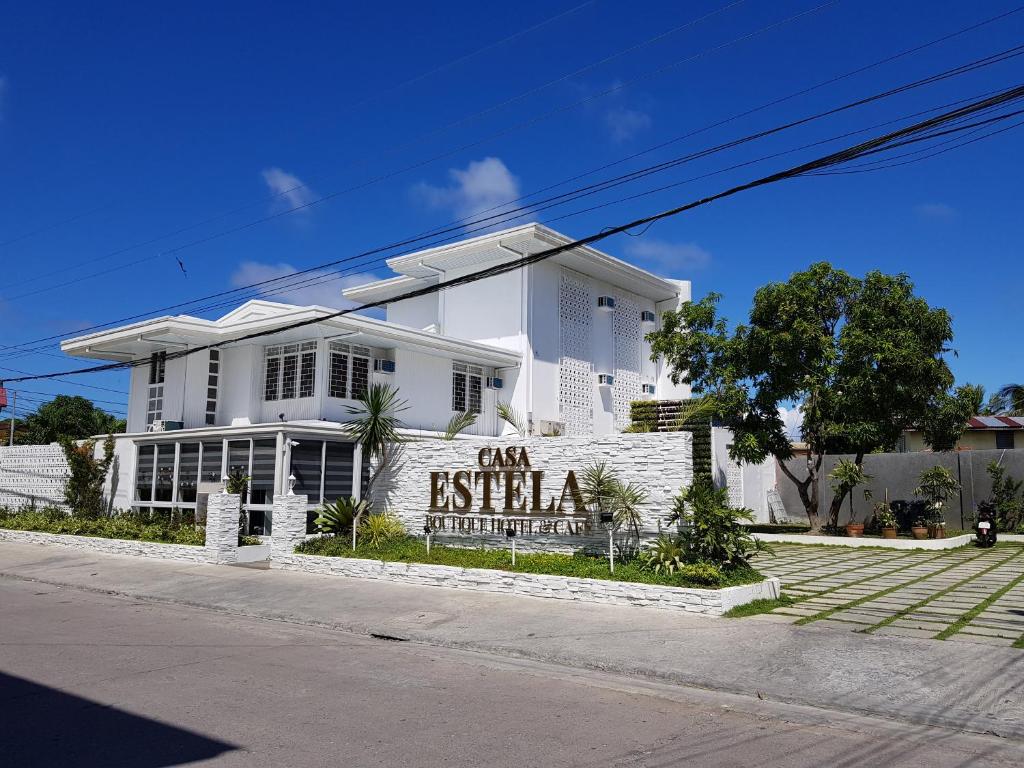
{"x":810,"y":501}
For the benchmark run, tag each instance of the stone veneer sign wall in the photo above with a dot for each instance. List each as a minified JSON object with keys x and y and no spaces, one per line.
{"x":471,"y":488}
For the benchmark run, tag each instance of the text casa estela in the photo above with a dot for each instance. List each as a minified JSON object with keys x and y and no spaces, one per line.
{"x":506,"y":479}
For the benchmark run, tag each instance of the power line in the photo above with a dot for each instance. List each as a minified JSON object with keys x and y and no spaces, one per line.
{"x":62,"y":381}
{"x":895,"y":138}
{"x":351,"y":108}
{"x":485,"y":222}
{"x":419,"y":164}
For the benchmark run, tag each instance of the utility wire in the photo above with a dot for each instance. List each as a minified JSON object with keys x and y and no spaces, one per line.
{"x":419,"y":164}
{"x":362,"y":160}
{"x":897,"y":137}
{"x":485,"y":222}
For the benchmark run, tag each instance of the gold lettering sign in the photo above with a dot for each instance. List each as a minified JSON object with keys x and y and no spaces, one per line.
{"x":505,"y":477}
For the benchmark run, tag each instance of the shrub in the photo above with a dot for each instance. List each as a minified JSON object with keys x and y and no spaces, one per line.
{"x":702,"y":573}
{"x":128,"y":524}
{"x":713,"y":531}
{"x":381,"y":529}
{"x":936,"y":484}
{"x":1007,"y":498}
{"x":83,"y":490}
{"x":337,"y":518}
{"x":663,"y":555}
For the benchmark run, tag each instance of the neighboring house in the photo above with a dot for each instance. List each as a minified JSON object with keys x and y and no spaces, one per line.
{"x":561,"y":340}
{"x":983,"y":433}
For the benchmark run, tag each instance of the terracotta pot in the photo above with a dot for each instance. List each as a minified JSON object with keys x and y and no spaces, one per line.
{"x":889,"y":533}
{"x":854,"y":530}
{"x":938,"y":532}
{"x":919,"y":532}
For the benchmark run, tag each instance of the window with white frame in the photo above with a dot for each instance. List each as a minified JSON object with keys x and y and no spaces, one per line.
{"x":155,"y":393}
{"x":211,"y":387}
{"x":350,"y":370}
{"x":290,"y":371}
{"x":467,"y":387}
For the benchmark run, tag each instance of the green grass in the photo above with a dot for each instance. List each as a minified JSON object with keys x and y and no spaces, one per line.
{"x":579,"y":565}
{"x":1019,"y":643}
{"x":129,"y":526}
{"x":764,"y":605}
{"x":977,"y":610}
{"x":882,"y":593}
{"x":941,"y":593}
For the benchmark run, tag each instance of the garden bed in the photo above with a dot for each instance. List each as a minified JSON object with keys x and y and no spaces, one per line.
{"x":414,"y":550}
{"x":126,"y":526}
{"x":189,"y":552}
{"x":606,"y":589}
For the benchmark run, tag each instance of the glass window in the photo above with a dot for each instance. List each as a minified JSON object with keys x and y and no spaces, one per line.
{"x":144,"y":473}
{"x":212,"y":456}
{"x":164,"y":472}
{"x":238,"y":456}
{"x":350,"y":370}
{"x":338,"y":471}
{"x":1004,"y":440}
{"x":188,"y":472}
{"x":339,"y":375}
{"x":308,"y":375}
{"x":261,"y":488}
{"x":157,"y":367}
{"x":273,"y":373}
{"x":467,"y":387}
{"x":306,"y":460}
{"x":290,"y":369}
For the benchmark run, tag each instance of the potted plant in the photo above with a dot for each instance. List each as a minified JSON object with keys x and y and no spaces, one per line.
{"x":845,"y":477}
{"x":936,"y":485}
{"x":886,"y":519}
{"x":919,"y":529}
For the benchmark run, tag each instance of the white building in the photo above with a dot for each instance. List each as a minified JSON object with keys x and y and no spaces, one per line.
{"x":561,"y":340}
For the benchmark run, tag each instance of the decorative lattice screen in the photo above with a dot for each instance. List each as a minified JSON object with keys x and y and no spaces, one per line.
{"x":576,"y":374}
{"x":628,"y":332}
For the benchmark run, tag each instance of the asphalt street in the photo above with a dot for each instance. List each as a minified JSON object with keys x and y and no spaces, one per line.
{"x":91,"y":679}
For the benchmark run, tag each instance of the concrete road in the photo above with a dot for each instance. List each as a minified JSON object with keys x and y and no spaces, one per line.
{"x":91,"y":679}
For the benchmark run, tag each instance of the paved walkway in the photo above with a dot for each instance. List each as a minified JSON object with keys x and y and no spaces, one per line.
{"x":966,"y":595}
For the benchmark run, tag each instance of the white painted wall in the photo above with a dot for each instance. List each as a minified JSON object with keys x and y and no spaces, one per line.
{"x":666,"y":389}
{"x":748,"y":483}
{"x":419,"y":312}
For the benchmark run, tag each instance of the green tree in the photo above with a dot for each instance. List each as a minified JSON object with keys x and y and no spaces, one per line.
{"x":83,"y":490}
{"x":66,"y":416}
{"x":375,"y":427}
{"x":1009,"y":400}
{"x":862,"y":357}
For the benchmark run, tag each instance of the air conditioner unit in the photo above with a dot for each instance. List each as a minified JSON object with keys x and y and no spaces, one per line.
{"x":607,"y":303}
{"x":647,"y":316}
{"x":493,"y":382}
{"x":605,"y":380}
{"x":384,"y":366}
{"x":647,"y":389}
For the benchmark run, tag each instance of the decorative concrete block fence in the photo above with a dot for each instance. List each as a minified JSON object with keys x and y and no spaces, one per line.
{"x":32,"y":475}
{"x":659,"y":463}
{"x":222,"y":511}
{"x":110,"y":546}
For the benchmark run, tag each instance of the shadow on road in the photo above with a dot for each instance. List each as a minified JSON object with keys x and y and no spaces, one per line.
{"x":43,"y":726}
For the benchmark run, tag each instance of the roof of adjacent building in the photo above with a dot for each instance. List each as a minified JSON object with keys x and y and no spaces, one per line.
{"x":996,"y":422}
{"x":420,"y":269}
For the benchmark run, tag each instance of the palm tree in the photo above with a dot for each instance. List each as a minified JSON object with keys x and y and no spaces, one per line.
{"x":458,"y":423}
{"x":375,"y":428}
{"x":1009,"y":400}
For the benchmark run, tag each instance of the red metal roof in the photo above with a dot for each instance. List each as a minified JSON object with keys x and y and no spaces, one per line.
{"x":996,"y":422}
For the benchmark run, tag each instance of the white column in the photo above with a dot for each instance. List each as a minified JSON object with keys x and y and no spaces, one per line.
{"x":289,"y":526}
{"x":222,"y":527}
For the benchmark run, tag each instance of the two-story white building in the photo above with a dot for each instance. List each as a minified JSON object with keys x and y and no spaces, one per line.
{"x":561,"y":341}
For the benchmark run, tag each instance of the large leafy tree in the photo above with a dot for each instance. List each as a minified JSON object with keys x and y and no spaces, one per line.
{"x":67,"y":417}
{"x":862,"y":357}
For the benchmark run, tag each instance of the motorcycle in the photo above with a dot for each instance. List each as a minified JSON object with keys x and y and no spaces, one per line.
{"x":985,"y":528}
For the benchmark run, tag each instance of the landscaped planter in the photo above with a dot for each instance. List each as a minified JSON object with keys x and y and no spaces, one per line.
{"x":711,"y":602}
{"x":195,"y":554}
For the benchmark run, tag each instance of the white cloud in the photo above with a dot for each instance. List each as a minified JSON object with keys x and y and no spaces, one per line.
{"x":326,"y":293}
{"x":479,"y":187}
{"x":935,"y":211}
{"x":668,"y":258}
{"x":288,"y":189}
{"x":625,"y":123}
{"x":793,"y":419}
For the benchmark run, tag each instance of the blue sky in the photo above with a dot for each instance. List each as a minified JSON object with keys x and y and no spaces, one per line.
{"x":175,"y":124}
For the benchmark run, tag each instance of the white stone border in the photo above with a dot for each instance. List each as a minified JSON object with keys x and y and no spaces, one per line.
{"x":190,"y":553}
{"x":847,"y":541}
{"x":711,"y":602}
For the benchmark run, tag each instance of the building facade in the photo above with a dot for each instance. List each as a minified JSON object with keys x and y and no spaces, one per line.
{"x":561,"y":341}
{"x":983,"y":433}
